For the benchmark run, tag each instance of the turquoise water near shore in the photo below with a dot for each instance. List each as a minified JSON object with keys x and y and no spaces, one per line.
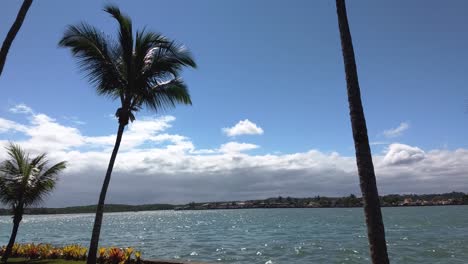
{"x":414,"y":234}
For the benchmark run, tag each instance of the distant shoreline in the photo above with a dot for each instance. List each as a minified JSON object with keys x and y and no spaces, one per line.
{"x":393,"y":200}
{"x":215,"y":209}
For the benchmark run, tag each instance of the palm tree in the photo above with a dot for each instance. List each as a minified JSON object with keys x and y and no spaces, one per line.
{"x":25,"y":181}
{"x":140,"y":72}
{"x":12,"y":32}
{"x":373,"y":214}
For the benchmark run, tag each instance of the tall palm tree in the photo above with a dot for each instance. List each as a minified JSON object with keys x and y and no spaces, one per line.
{"x":140,"y":72}
{"x":25,"y":181}
{"x":12,"y":32}
{"x":373,"y":214}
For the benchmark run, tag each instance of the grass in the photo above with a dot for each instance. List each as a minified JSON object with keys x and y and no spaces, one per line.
{"x":43,"y":261}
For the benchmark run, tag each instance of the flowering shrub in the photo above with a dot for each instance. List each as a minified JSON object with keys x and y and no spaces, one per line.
{"x":44,"y":250}
{"x":31,"y":251}
{"x":74,"y":252}
{"x":53,"y":253}
{"x":17,"y":250}
{"x":111,"y":255}
{"x":138,"y":257}
{"x":118,"y":256}
{"x":102,"y":255}
{"x":115,"y":256}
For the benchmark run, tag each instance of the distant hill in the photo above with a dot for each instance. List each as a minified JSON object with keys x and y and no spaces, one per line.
{"x":109,"y":208}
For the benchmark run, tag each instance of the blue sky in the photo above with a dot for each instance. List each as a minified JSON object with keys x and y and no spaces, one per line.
{"x":278,"y":65}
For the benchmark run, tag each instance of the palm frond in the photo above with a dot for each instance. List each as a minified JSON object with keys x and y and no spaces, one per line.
{"x":54,"y":170}
{"x":39,"y":162}
{"x":44,"y":183}
{"x":36,"y":195}
{"x":97,"y":57}
{"x":181,"y":54}
{"x":25,"y":181}
{"x":143,"y":71}
{"x":159,"y":84}
{"x":162,"y":96}
{"x":167,"y":57}
{"x":9,"y":167}
{"x":145,"y":43}
{"x":125,"y":39}
{"x":17,"y":157}
{"x":7,"y":193}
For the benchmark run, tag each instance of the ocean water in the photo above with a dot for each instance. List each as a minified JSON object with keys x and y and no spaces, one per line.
{"x":414,"y":234}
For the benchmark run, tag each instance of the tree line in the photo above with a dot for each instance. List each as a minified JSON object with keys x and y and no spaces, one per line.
{"x":455,"y":198}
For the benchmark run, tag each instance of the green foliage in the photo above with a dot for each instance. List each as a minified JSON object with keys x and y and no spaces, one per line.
{"x":142,"y":72}
{"x":25,"y":181}
{"x":73,"y":252}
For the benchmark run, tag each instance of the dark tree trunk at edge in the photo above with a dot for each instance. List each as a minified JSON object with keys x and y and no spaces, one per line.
{"x":93,"y":246}
{"x":373,"y":214}
{"x":12,"y":32}
{"x":16,"y":221}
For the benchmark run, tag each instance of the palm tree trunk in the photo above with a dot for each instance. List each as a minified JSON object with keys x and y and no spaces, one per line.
{"x":373,"y":214}
{"x":93,"y":247}
{"x":13,"y":31}
{"x":16,"y":221}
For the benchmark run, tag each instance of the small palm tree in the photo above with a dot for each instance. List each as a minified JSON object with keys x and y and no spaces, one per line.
{"x":12,"y":32}
{"x":368,"y":183}
{"x":139,"y":72}
{"x":25,"y":181}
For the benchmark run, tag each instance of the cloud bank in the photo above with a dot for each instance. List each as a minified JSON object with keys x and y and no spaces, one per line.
{"x":156,"y":166}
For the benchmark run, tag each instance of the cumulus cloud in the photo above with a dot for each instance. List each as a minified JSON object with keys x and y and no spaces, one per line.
{"x":397,"y":131}
{"x":243,"y":127}
{"x":398,"y":154}
{"x":8,"y":125}
{"x":156,"y":166}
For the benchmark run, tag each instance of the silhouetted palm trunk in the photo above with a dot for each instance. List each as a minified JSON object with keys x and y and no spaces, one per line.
{"x":373,"y":214}
{"x":12,"y":32}
{"x":93,"y":247}
{"x":16,"y":221}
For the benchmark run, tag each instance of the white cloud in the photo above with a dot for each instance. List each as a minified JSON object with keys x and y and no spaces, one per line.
{"x":403,"y":154}
{"x":8,"y":125}
{"x":21,"y":109}
{"x":46,"y":133}
{"x":243,"y":127}
{"x":236,"y":147}
{"x":398,"y":131}
{"x":155,"y":166}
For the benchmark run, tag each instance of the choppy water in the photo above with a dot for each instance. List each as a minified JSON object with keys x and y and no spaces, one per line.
{"x":414,"y":235}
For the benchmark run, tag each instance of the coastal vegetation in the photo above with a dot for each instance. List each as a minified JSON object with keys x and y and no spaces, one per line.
{"x":453,"y":198}
{"x":24,"y":182}
{"x":365,"y":166}
{"x":73,"y":252}
{"x":140,"y":72}
{"x":108,"y":208}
